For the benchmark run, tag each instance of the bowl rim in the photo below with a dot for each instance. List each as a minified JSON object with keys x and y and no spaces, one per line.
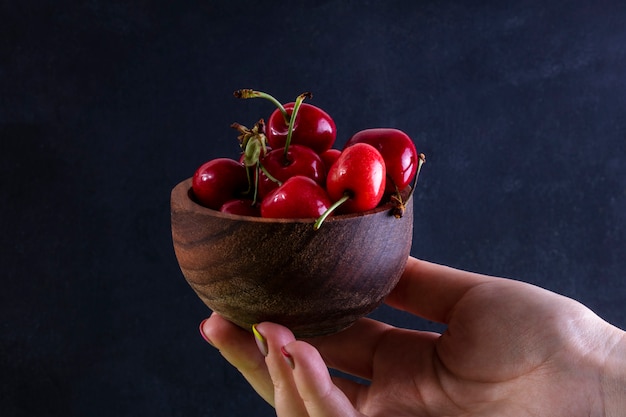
{"x":184,"y":188}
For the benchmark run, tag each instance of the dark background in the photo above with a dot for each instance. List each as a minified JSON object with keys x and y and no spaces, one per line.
{"x":519,"y":106}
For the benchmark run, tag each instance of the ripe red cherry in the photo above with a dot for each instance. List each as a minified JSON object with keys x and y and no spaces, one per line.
{"x":218,"y":181}
{"x":297,"y":198}
{"x":398,"y":151}
{"x":299,"y":160}
{"x":313,"y":128}
{"x":358,"y":175}
{"x":242,"y":207}
{"x":265,"y":185}
{"x":329,"y":157}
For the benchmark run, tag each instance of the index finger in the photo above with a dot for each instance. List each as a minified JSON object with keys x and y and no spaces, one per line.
{"x":430,"y":290}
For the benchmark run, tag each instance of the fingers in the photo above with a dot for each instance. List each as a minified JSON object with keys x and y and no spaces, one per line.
{"x":269,"y":367}
{"x":271,"y":339}
{"x":320,"y":396}
{"x":431,"y":291}
{"x":239,"y":348}
{"x":352,"y":350}
{"x":302,"y":384}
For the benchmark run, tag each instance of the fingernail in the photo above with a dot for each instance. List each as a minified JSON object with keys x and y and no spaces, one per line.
{"x":260,"y":341}
{"x":288,"y":358}
{"x":204,"y":336}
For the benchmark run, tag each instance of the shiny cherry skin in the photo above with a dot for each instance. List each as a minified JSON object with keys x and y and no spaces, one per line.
{"x":297,"y":198}
{"x":241,"y":207}
{"x":358,"y":173}
{"x":265,"y":186}
{"x":329,"y":157}
{"x":300,"y":160}
{"x":398,"y":151}
{"x":218,"y":181}
{"x":313,"y":128}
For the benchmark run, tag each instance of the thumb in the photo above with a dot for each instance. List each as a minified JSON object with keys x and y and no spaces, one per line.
{"x":321,"y":397}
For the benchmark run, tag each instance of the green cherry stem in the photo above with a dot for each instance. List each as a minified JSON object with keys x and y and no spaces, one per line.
{"x":250,"y":185}
{"x":269,"y":176}
{"x":422,"y":160}
{"x":250,"y":93}
{"x":292,"y":119}
{"x":396,"y":198}
{"x":255,"y":198}
{"x":333,"y":207}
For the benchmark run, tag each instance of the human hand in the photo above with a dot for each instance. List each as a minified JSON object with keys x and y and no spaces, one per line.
{"x":510,"y":349}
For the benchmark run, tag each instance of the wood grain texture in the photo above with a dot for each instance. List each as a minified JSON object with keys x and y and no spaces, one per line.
{"x":314,"y":282}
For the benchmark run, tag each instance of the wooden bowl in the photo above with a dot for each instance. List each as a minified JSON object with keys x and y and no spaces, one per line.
{"x":314,"y":282}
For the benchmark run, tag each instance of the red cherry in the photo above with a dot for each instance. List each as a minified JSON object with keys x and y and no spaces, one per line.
{"x":358,"y":174}
{"x":299,"y":160}
{"x":313,"y":128}
{"x":265,"y":185}
{"x":329,"y":157}
{"x":398,"y":151}
{"x":218,"y":181}
{"x":242,"y":207}
{"x":297,"y":198}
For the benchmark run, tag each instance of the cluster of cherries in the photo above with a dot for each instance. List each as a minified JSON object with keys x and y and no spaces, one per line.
{"x":289,"y":169}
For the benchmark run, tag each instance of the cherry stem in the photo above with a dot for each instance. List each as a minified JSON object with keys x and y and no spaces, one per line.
{"x":249,"y":190}
{"x":249,"y":93}
{"x":333,"y":207}
{"x":256,"y":184}
{"x":422,"y":160}
{"x":270,"y":176}
{"x":292,"y":119}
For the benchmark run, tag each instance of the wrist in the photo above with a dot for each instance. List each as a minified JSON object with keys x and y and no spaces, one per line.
{"x":613,"y":380}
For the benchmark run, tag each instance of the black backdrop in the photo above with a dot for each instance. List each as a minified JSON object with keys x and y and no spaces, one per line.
{"x":520,"y":107}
